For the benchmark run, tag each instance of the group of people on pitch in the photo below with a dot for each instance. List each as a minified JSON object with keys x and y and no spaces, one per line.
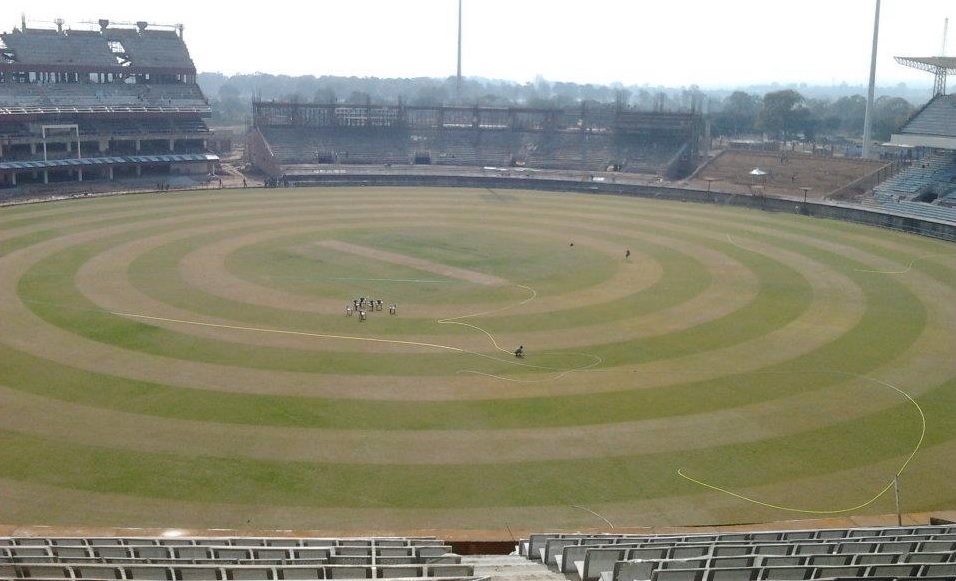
{"x":363,"y":306}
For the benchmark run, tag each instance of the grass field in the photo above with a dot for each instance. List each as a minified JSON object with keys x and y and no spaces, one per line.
{"x":186,"y":360}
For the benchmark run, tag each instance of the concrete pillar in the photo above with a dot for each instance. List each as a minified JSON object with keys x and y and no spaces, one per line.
{"x":139,"y":169}
{"x":109,"y":173}
{"x":46,"y":176}
{"x":69,"y":146}
{"x":79,"y":175}
{"x":104,"y":145}
{"x":13,"y":179}
{"x":172,"y":145}
{"x":33,"y":148}
{"x":138,"y":145}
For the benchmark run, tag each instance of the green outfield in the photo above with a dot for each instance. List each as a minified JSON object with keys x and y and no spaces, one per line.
{"x":187,"y":360}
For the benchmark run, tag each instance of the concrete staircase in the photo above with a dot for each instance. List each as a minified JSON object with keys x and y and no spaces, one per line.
{"x":510,"y":568}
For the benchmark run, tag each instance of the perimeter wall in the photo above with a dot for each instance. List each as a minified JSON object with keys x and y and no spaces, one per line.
{"x":855,"y":214}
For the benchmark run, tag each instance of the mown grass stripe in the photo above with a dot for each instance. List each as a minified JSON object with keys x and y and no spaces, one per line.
{"x":863,"y":348}
{"x":783,"y":294}
{"x":858,"y":443}
{"x":153,"y":273}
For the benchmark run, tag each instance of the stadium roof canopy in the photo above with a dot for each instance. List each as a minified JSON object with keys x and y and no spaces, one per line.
{"x":105,"y":161}
{"x":934,"y":126}
{"x":940,"y":66}
{"x":930,"y":63}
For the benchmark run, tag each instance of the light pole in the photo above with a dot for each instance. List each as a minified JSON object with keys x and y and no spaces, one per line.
{"x":458,"y":76}
{"x":868,"y":115}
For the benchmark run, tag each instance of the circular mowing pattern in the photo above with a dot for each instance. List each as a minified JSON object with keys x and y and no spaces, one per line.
{"x":188,"y":357}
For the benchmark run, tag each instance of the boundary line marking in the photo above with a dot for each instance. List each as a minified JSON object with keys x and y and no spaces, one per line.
{"x":908,"y":268}
{"x":919,"y":444}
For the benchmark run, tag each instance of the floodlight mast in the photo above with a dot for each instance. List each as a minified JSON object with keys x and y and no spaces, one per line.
{"x":942,"y":50}
{"x":458,"y":77}
{"x":868,"y":117}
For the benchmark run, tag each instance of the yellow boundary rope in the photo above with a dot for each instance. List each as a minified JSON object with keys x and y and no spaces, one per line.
{"x":680,"y":471}
{"x":908,"y":268}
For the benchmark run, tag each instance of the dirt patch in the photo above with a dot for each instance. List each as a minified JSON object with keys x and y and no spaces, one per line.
{"x":416,"y":263}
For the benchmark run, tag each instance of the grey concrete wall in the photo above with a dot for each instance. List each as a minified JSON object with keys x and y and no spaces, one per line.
{"x":858,"y":215}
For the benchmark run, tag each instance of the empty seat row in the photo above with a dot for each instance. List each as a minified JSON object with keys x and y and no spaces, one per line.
{"x":222,"y":541}
{"x":593,"y":557}
{"x":215,"y":572}
{"x":561,"y":554}
{"x":534,"y":540}
{"x":449,"y":559}
{"x":871,"y":573}
{"x":199,"y":553}
{"x":591,"y":561}
{"x":533,"y":546}
{"x":780,"y":567}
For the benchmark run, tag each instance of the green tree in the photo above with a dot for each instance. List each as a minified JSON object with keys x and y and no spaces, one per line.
{"x":784,"y":114}
{"x":889,"y":115}
{"x":431,"y":95}
{"x":737,"y":115}
{"x":851,"y":111}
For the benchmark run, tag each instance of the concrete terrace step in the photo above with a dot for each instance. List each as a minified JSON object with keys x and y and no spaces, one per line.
{"x":510,"y":568}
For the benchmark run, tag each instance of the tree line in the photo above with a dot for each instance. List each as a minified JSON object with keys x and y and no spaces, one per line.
{"x":787,"y":114}
{"x":782,"y":113}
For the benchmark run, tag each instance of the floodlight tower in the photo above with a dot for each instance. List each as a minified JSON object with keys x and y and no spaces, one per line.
{"x":868,"y":117}
{"x":458,"y":77}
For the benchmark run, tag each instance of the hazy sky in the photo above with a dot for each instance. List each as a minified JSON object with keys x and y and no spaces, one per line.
{"x":661,"y":42}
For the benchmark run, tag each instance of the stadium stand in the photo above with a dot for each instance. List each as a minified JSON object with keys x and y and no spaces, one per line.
{"x":936,"y":118}
{"x":599,"y":139}
{"x":229,"y":558}
{"x":931,"y":178}
{"x":870,"y":553}
{"x":118,"y":93}
{"x":927,"y":188}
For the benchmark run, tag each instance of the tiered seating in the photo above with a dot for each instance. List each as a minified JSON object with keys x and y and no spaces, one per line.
{"x":46,"y":47}
{"x":13,"y":129}
{"x":152,"y":48}
{"x":649,"y":157}
{"x":948,"y":199}
{"x":571,"y":149}
{"x":100,"y":95}
{"x":919,"y":210}
{"x":470,"y":147}
{"x":228,"y":558}
{"x":936,"y":171}
{"x":107,"y":47}
{"x":295,"y":145}
{"x":920,"y":175}
{"x":466,"y":146}
{"x":802,"y":554}
{"x":131,"y":88}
